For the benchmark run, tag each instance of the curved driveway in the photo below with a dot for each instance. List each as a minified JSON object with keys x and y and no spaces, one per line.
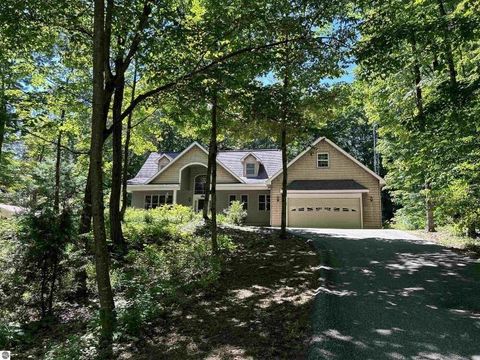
{"x":386,"y":295}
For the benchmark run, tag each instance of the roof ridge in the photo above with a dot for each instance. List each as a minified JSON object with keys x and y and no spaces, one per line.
{"x":248,"y":150}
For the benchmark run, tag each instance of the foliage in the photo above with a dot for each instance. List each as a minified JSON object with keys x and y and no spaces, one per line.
{"x":419,"y":76}
{"x":235,"y":214}
{"x":161,"y":224}
{"x":174,"y":259}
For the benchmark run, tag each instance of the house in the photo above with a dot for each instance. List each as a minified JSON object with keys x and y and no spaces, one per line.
{"x":327,"y":187}
{"x":8,"y":211}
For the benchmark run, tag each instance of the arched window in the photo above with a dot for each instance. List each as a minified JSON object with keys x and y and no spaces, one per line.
{"x":200,"y":181}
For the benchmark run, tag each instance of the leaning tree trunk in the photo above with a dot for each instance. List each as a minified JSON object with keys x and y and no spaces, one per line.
{"x":102,"y":265}
{"x":86,"y":216}
{"x":116,"y":234}
{"x":214,"y":150}
{"x":283,"y":231}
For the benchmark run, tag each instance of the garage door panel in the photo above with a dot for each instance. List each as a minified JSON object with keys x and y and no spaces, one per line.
{"x":324,"y":212}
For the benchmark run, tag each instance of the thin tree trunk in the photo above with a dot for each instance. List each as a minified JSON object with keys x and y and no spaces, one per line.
{"x":52,"y":285}
{"x":213,"y":139}
{"x":3,"y":116}
{"x":429,"y":207}
{"x":418,"y":80}
{"x":102,"y":261}
{"x":452,"y":72}
{"x":86,"y":216}
{"x":126,"y":149}
{"x":214,"y":150}
{"x":116,"y":234}
{"x":283,"y":145}
{"x":283,"y":231}
{"x":58,"y":160}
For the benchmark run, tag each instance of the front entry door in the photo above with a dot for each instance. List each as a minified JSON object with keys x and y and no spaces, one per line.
{"x":200,"y":204}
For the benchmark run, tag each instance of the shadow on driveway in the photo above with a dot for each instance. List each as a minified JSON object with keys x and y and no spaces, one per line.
{"x":394,"y":299}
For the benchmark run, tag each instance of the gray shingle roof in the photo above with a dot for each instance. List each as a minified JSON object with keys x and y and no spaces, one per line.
{"x":271,"y":162}
{"x":325,"y":185}
{"x":149,"y":168}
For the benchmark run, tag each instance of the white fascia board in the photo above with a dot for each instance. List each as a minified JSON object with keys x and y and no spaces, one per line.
{"x":247,"y":155}
{"x":375,"y":175}
{"x":242,"y":187}
{"x":379,"y":178}
{"x":152,"y":187}
{"x":296,"y":158}
{"x":183,"y":153}
{"x":164,"y":155}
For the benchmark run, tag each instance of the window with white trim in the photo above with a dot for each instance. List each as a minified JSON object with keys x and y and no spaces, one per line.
{"x":323,"y":160}
{"x":264,"y":202}
{"x":154,"y":201}
{"x":250,"y":169}
{"x":244,"y":200}
{"x":231,"y":199}
{"x":200,"y":184}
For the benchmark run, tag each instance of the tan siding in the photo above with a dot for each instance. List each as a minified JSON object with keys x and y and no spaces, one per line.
{"x":194,"y":155}
{"x":254,"y":216}
{"x":340,"y":167}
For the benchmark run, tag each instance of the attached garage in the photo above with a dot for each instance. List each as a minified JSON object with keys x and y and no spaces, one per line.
{"x":325,"y":204}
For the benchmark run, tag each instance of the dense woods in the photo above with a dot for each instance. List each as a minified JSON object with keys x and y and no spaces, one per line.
{"x":89,"y":88}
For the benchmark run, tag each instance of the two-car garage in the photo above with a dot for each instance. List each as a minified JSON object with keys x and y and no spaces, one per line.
{"x":325,"y":204}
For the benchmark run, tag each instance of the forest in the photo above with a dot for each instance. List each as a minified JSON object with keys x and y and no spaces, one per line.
{"x":89,"y":88}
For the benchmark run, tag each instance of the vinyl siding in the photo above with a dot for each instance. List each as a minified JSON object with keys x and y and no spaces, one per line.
{"x":340,"y":167}
{"x":194,"y":155}
{"x":254,"y":216}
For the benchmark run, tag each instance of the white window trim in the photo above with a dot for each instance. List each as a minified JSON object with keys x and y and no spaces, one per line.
{"x":247,"y":199}
{"x":230,"y":202}
{"x":166,"y":194}
{"x":266,"y":202}
{"x":328,"y":159}
{"x":255,"y":172}
{"x":194,"y":181}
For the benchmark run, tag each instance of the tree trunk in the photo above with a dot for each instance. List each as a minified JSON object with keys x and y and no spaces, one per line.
{"x":86,"y":216}
{"x":211,"y":150}
{"x":452,"y":72}
{"x":58,"y":160}
{"x":418,"y":79}
{"x":214,"y":149}
{"x":283,"y":144}
{"x":116,"y":234}
{"x":102,"y":261}
{"x":127,"y":149}
{"x":3,"y":117}
{"x":429,"y":207}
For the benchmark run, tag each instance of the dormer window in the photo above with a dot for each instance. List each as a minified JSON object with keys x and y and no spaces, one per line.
{"x":251,"y":165}
{"x":250,"y":169}
{"x":163,"y":161}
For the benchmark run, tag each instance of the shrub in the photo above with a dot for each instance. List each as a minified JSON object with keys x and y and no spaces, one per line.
{"x":159,"y":225}
{"x":235,"y":214}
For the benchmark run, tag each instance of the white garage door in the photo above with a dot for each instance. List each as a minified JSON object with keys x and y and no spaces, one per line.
{"x":324,"y":213}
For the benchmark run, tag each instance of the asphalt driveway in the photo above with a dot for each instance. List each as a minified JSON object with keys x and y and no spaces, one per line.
{"x":386,"y":295}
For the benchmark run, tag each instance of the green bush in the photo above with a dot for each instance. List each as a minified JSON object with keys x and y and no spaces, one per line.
{"x":159,"y":225}
{"x":174,"y":259}
{"x":235,"y":214}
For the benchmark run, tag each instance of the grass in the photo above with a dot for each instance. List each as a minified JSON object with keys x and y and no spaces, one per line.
{"x":446,"y":237}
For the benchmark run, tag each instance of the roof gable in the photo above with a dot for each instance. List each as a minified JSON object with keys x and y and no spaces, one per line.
{"x":179,"y":156}
{"x":339,"y":149}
